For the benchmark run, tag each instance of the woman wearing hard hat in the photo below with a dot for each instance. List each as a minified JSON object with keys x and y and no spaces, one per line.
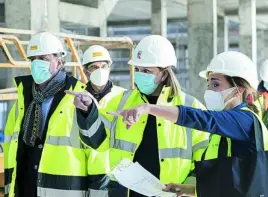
{"x":235,"y":164}
{"x":166,"y":150}
{"x":263,"y":90}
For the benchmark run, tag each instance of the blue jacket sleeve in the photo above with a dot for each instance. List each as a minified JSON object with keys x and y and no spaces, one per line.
{"x":234,"y":124}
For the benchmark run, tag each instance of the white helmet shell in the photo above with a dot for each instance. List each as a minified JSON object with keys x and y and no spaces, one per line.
{"x":96,"y":53}
{"x":233,"y":64}
{"x":264,"y":71}
{"x":154,"y":51}
{"x":44,"y":43}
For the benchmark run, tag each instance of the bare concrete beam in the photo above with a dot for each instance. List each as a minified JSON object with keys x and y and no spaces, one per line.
{"x":259,"y":11}
{"x":89,"y":3}
{"x":144,"y":22}
{"x":83,"y":15}
{"x":159,"y":17}
{"x":2,"y":12}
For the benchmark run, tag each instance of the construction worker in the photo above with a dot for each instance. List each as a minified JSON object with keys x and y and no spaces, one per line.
{"x":235,"y":163}
{"x":166,"y":150}
{"x":263,"y":90}
{"x":97,"y":66}
{"x":43,"y":153}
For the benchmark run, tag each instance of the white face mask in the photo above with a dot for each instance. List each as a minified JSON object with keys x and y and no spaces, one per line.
{"x":100,"y":76}
{"x":215,"y":100}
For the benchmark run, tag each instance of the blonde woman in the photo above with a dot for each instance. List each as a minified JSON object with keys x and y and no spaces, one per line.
{"x":235,"y":164}
{"x":166,"y":150}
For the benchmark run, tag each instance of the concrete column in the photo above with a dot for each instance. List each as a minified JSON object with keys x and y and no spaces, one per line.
{"x":262,"y":51}
{"x":159,"y":17}
{"x":248,"y":38}
{"x":104,"y":29}
{"x":202,"y":43}
{"x":53,"y":17}
{"x":265,"y":44}
{"x":223,"y":41}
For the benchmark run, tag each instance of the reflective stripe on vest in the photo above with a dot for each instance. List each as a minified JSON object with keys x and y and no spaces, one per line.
{"x":93,"y":129}
{"x":105,"y":121}
{"x":98,"y":193}
{"x":9,"y":138}
{"x":58,"y":192}
{"x":8,"y":178}
{"x":120,"y":143}
{"x":163,"y":153}
{"x":7,"y":188}
{"x":181,"y":152}
{"x":66,"y":140}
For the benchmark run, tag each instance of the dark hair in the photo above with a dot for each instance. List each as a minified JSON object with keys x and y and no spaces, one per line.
{"x":249,"y":95}
{"x":87,"y":65}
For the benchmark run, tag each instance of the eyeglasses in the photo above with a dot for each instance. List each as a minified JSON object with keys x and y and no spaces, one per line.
{"x":92,"y":67}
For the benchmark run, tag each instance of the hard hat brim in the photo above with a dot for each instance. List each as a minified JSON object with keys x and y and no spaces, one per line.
{"x":64,"y":53}
{"x":131,"y":62}
{"x":203,"y":74}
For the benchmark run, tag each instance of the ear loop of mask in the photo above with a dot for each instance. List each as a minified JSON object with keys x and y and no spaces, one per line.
{"x":235,"y":87}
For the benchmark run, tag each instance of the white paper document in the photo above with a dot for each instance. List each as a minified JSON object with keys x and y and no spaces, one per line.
{"x":135,"y":177}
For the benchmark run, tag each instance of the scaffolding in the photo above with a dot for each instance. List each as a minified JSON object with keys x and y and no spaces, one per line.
{"x":11,"y":37}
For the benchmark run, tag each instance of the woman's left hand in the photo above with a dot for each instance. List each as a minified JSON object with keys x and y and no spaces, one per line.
{"x":131,"y":116}
{"x":180,"y":189}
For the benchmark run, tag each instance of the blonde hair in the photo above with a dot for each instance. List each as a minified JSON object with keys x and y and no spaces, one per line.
{"x":172,"y":82}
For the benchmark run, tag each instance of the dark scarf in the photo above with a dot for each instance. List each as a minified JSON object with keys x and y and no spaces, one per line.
{"x":33,"y":117}
{"x":99,"y":96}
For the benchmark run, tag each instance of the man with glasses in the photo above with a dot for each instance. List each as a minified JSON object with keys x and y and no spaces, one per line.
{"x":97,"y":66}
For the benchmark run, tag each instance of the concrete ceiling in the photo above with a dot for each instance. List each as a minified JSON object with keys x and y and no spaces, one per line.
{"x":90,"y":3}
{"x":141,"y":10}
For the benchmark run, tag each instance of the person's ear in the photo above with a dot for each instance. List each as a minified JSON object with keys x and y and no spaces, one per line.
{"x":59,"y":63}
{"x":165,"y":75}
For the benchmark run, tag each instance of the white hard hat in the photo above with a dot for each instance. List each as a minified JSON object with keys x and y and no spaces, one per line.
{"x":154,"y":51}
{"x":233,"y":64}
{"x":96,"y":53}
{"x":44,"y":43}
{"x":264,"y":71}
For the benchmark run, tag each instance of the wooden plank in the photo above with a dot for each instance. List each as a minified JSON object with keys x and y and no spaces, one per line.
{"x":8,"y":97}
{"x":8,"y":90}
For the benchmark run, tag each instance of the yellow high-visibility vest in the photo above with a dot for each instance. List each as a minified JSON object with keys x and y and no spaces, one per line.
{"x":178,"y":146}
{"x":63,"y":161}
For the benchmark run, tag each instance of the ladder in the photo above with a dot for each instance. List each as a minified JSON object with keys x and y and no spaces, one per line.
{"x":11,"y":37}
